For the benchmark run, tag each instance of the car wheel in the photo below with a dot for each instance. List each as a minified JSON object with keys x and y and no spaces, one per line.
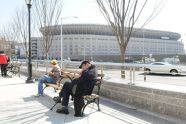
{"x":174,"y":72}
{"x":147,"y":70}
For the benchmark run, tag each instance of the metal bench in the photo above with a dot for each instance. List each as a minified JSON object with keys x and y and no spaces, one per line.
{"x":58,"y":84}
{"x":93,"y":98}
{"x":13,"y":69}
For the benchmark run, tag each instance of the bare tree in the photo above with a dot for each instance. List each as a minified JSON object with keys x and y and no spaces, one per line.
{"x":18,"y":29}
{"x":9,"y":32}
{"x":122,"y":16}
{"x":10,"y":35}
{"x":21,"y":23}
{"x":47,"y":13}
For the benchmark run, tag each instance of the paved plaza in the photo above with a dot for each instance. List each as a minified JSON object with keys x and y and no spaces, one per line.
{"x":19,"y":106}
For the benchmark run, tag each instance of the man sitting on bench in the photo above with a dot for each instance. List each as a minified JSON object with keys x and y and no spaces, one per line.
{"x":51,"y":77}
{"x":84,"y":86}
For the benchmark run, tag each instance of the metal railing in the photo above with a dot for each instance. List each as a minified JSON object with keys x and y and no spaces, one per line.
{"x":135,"y":73}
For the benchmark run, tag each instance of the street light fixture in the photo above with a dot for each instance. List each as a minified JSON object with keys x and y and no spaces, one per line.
{"x":62,"y":38}
{"x":29,"y":79}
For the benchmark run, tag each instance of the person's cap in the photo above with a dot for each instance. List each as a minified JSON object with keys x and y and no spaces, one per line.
{"x":84,"y":62}
{"x":54,"y":62}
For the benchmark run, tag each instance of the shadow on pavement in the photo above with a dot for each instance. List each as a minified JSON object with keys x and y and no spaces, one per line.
{"x":124,"y":113}
{"x":52,"y":116}
{"x":130,"y":114}
{"x":167,"y":75}
{"x":11,"y":84}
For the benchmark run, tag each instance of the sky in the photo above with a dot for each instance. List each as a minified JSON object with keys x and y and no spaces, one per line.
{"x":7,"y":10}
{"x":171,"y":17}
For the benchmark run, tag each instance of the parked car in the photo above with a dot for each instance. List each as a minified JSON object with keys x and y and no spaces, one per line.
{"x":162,"y":67}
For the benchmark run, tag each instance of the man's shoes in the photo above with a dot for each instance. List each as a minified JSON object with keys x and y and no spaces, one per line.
{"x":57,"y":99}
{"x":38,"y":95}
{"x":63,"y":110}
{"x":78,"y":115}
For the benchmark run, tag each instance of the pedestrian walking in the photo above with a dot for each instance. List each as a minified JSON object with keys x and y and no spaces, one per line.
{"x":4,"y":59}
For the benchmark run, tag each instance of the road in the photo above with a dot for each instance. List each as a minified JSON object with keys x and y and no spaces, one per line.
{"x":179,"y":80}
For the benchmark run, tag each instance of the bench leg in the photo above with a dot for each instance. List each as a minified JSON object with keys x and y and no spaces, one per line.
{"x":82,"y":112}
{"x":94,"y":101}
{"x":83,"y":109}
{"x":98,"y":104}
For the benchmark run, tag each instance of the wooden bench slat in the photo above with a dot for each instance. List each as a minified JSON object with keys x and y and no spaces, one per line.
{"x":91,"y":97}
{"x":54,"y":86}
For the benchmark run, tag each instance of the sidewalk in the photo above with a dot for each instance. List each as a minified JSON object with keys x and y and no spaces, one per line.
{"x":18,"y":106}
{"x":153,"y":85}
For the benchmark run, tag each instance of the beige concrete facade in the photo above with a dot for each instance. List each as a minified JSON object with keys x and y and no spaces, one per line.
{"x":91,"y":40}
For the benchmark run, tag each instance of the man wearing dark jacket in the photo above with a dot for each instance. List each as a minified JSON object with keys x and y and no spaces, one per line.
{"x":84,"y":86}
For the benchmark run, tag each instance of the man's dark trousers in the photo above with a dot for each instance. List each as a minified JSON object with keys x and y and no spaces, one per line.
{"x":66,"y":92}
{"x":78,"y":99}
{"x":3,"y":69}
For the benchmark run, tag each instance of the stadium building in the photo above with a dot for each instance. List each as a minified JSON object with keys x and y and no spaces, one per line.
{"x":92,"y":41}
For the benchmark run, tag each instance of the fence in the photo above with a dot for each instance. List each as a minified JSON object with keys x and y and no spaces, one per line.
{"x":134,"y":73}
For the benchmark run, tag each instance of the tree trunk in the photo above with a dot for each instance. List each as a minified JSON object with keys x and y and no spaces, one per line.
{"x":122,"y":59}
{"x":47,"y":61}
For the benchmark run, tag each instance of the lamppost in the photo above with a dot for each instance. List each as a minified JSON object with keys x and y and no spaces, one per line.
{"x":29,"y":79}
{"x":62,"y":37}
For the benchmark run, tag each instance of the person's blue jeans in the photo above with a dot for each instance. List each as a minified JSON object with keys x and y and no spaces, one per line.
{"x":43,"y":79}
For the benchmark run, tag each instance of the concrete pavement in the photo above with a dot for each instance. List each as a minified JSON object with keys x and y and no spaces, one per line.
{"x":18,"y":105}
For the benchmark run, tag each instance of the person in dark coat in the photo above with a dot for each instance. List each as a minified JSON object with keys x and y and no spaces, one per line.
{"x":4,"y":59}
{"x":83,"y":86}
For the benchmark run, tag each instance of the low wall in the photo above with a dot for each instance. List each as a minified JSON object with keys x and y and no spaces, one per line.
{"x":159,"y":101}
{"x":154,"y":100}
